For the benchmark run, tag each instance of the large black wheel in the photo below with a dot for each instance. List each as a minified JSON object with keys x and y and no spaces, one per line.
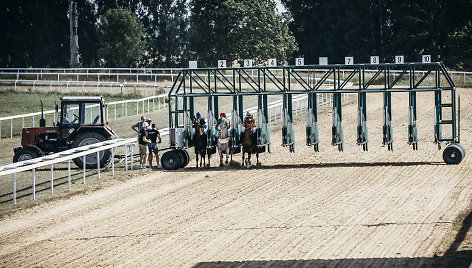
{"x":185,"y":157}
{"x":462,"y":149}
{"x":172,"y":160}
{"x":87,"y":138}
{"x":453,"y":154}
{"x":25,"y":153}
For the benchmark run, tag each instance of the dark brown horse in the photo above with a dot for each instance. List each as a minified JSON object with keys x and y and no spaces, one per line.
{"x":250,"y":147}
{"x":200,"y":144}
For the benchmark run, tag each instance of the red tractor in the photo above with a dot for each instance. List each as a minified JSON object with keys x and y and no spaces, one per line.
{"x":82,"y":122}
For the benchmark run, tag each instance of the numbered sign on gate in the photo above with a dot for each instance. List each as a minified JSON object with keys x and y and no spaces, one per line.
{"x":248,"y":63}
{"x":348,"y":60}
{"x":374,"y":59}
{"x":221,"y":63}
{"x":426,"y":58}
{"x":272,"y":62}
{"x":299,"y":61}
{"x":323,"y":60}
{"x":192,"y":64}
{"x":399,"y":59}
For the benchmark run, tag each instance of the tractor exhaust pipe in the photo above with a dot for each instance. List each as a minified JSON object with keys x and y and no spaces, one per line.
{"x":42,"y":121}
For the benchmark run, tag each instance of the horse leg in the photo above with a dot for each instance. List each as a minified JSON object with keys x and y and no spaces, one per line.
{"x":227,"y":155}
{"x":221,"y":156}
{"x":257,"y":158}
{"x":209,"y":155}
{"x":248,"y":159}
{"x":242,"y":163}
{"x":196,"y":157}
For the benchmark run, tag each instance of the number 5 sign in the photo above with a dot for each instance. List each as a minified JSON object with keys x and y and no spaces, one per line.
{"x":299,"y":61}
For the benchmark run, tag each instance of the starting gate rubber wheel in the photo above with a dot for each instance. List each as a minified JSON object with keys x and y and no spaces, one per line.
{"x":462,"y":149}
{"x":453,"y":154}
{"x":185,"y":157}
{"x":171,"y":160}
{"x":25,"y":153}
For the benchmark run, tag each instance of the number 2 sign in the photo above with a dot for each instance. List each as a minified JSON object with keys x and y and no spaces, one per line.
{"x":221,"y":63}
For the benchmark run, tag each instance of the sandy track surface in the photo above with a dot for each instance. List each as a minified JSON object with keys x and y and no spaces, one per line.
{"x":307,"y":209}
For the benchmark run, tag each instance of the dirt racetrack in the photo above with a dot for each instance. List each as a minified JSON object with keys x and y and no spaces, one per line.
{"x":355,"y":208}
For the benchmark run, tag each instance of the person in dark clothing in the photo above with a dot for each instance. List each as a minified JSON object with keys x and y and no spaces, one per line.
{"x":143,"y":148}
{"x":155,"y":137}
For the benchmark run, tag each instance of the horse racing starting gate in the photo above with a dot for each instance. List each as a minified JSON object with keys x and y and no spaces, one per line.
{"x":241,"y":83}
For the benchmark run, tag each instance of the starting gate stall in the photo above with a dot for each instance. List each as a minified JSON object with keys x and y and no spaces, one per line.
{"x":312,"y":131}
{"x":241,"y":82}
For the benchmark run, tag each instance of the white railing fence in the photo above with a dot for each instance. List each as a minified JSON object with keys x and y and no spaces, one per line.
{"x":99,"y":85}
{"x":67,"y":156}
{"x":462,"y":79}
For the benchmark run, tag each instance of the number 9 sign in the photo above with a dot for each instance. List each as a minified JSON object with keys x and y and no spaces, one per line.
{"x":399,"y":59}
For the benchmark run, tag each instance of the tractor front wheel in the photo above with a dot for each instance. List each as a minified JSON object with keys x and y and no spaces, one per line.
{"x":25,"y":153}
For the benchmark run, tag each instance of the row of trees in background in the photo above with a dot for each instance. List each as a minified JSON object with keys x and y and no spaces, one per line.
{"x":169,"y":33}
{"x":385,"y":28}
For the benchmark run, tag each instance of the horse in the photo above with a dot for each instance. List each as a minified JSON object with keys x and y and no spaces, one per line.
{"x":200,"y":144}
{"x":223,"y":142}
{"x":250,"y":146}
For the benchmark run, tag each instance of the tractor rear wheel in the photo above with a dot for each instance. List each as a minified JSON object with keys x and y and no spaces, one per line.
{"x":25,"y":153}
{"x":88,"y":138}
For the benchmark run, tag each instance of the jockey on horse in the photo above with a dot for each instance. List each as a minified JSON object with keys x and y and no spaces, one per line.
{"x":224,"y":141}
{"x":249,"y":123}
{"x":200,"y":121}
{"x":249,"y":140}
{"x":221,"y":122}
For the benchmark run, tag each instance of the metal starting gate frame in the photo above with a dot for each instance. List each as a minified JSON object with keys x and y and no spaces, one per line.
{"x":240,"y":82}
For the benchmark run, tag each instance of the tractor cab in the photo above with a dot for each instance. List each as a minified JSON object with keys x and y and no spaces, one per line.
{"x":82,"y":122}
{"x":78,"y":113}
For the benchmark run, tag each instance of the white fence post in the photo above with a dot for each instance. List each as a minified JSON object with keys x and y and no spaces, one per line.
{"x":68,"y":173}
{"x":98,"y":165}
{"x":52,"y":178}
{"x":34,"y":184}
{"x":83,"y":166}
{"x":14,"y":188}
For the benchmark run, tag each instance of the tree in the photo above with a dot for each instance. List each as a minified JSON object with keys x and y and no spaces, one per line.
{"x":238,"y":30}
{"x":460,"y":48}
{"x":120,"y":37}
{"x":340,"y":28}
{"x":34,"y":33}
{"x":167,"y":32}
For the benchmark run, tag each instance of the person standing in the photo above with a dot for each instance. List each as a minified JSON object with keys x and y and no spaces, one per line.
{"x":137,"y":127}
{"x":143,"y":147}
{"x":155,"y":137}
